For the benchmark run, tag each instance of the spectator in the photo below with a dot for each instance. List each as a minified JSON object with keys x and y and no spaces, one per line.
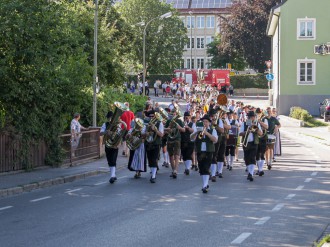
{"x":231,"y":90}
{"x":127,"y":117}
{"x":76,"y":128}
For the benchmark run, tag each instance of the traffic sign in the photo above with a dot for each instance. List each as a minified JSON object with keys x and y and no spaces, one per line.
{"x":270,"y":77}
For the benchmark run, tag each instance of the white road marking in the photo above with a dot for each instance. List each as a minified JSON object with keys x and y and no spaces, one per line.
{"x":122,"y":177}
{"x":307,"y":180}
{"x":262,"y":221}
{"x":40,"y":199}
{"x":318,"y":161}
{"x":241,"y":238}
{"x":278,"y":207}
{"x":4,"y":208}
{"x":314,"y":174}
{"x":101,"y":183}
{"x":290,"y":196}
{"x":300,"y":187}
{"x":70,"y":191}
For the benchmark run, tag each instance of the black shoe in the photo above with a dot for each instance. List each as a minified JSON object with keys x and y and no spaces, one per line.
{"x":230,"y":168}
{"x":174,"y":175}
{"x":220,"y":175}
{"x":249,"y":177}
{"x":213,"y":178}
{"x":164,"y":164}
{"x":167,"y":165}
{"x":123,"y":153}
{"x":274,"y":160}
{"x":261,"y":173}
{"x":246,"y":170}
{"x":152,"y":180}
{"x":196,"y":168}
{"x":186,"y":171}
{"x":205,"y":189}
{"x":257,"y":173}
{"x":112,"y":180}
{"x":269,"y":167}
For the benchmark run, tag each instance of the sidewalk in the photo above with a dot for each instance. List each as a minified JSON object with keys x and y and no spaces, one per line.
{"x":19,"y":182}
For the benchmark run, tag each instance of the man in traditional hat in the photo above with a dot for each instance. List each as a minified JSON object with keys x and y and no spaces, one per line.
{"x":111,"y":152}
{"x":205,"y":140}
{"x":250,"y":131}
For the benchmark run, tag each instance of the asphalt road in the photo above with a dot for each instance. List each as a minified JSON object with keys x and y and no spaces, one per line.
{"x":289,"y":206}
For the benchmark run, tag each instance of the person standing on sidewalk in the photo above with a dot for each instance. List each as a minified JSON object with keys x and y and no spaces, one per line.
{"x":76,"y":128}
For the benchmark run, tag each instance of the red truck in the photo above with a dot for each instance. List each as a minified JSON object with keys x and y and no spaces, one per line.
{"x":215,"y":77}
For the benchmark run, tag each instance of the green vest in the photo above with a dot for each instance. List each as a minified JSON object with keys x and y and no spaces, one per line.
{"x":209,"y":144}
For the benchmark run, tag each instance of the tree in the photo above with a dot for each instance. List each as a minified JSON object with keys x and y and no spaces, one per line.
{"x":221,"y":58}
{"x":165,"y":38}
{"x":244,"y":32}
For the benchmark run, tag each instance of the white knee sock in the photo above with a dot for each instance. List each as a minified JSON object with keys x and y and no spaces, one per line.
{"x":220,"y":167}
{"x":112,"y":171}
{"x":213,"y":169}
{"x":153,"y":172}
{"x":261,"y":165}
{"x":188,"y":164}
{"x":205,"y":180}
{"x":227,"y":160}
{"x":167,"y":158}
{"x":231,"y":162}
{"x":251,"y":169}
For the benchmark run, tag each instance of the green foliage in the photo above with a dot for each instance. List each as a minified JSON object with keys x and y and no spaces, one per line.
{"x":165,"y":39}
{"x":249,"y":81}
{"x":244,"y":32}
{"x":302,"y":114}
{"x":326,"y":239}
{"x":221,"y":57}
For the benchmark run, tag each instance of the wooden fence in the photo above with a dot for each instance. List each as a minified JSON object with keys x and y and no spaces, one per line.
{"x":10,"y":147}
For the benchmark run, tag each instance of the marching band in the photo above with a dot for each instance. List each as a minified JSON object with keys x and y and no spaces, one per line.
{"x":208,"y":134}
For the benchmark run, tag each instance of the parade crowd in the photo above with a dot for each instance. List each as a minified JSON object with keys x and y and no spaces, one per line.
{"x":205,"y":138}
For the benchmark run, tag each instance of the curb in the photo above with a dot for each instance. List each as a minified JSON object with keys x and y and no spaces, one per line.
{"x":48,"y":183}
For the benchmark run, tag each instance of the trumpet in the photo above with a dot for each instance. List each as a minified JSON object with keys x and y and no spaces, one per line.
{"x":252,"y":128}
{"x":202,"y":133}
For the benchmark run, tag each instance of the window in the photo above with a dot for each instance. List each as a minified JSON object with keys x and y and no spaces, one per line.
{"x":192,"y":63}
{"x":306,"y":29}
{"x":200,"y":22}
{"x":208,"y":63}
{"x":183,"y":21}
{"x":200,"y":43}
{"x":210,"y":21}
{"x":306,"y":72}
{"x":190,"y":21}
{"x":191,"y":41}
{"x":209,"y":39}
{"x":188,"y":63}
{"x":200,"y":63}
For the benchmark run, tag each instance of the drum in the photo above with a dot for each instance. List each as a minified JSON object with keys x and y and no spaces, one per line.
{"x":271,"y":139}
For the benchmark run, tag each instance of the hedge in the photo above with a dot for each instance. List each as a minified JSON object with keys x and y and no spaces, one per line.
{"x":249,"y":81}
{"x":300,"y":113}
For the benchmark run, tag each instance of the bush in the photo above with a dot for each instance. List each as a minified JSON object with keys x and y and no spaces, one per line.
{"x":152,"y":78}
{"x":300,"y":113}
{"x":249,"y":81}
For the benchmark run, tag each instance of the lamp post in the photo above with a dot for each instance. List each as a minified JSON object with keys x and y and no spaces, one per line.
{"x":166,"y":15}
{"x":190,"y":13}
{"x":95,"y":78}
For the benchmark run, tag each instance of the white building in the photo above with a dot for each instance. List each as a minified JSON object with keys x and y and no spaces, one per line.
{"x":203,"y":21}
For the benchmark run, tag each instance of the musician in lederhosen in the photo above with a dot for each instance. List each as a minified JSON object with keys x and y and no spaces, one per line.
{"x":232,"y":140}
{"x":154,"y":133}
{"x":250,"y":131}
{"x":223,"y":143}
{"x":217,"y":124}
{"x":205,"y":137}
{"x":173,"y":127}
{"x":187,"y":146}
{"x":260,"y":157}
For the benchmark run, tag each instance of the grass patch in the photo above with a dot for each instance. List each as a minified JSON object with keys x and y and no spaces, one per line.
{"x":326,"y":239}
{"x":302,"y":114}
{"x":314,"y":123}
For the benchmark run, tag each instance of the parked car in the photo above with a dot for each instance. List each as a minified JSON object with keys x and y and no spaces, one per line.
{"x":325,"y":110}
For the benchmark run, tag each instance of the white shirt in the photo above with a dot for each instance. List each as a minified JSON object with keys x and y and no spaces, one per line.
{"x":75,"y":126}
{"x":214,"y":133}
{"x":250,"y":137}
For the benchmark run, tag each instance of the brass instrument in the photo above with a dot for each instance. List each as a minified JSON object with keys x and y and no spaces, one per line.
{"x":164,"y":114}
{"x":260,"y":116}
{"x":151,"y":137}
{"x":173,"y":125}
{"x":116,"y":132}
{"x":134,"y":139}
{"x":202,"y":133}
{"x":251,"y":129}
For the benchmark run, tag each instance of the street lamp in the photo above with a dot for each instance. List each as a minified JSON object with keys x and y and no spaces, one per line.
{"x":95,"y":78}
{"x":164,"y":16}
{"x":190,"y":13}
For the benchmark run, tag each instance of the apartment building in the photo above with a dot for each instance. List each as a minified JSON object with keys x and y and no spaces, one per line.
{"x":202,"y":18}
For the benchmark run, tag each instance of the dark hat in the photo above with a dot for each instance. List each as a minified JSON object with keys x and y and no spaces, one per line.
{"x":251,"y":114}
{"x":230,"y":112}
{"x":109,"y":114}
{"x":212,"y":112}
{"x":207,"y":117}
{"x":186,"y":114}
{"x":167,"y":109}
{"x":258,"y":110}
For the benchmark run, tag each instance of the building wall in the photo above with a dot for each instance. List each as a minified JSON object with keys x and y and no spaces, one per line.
{"x":292,"y":94}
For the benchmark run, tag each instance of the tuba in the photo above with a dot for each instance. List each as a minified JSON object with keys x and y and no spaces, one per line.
{"x":164,"y":114}
{"x":151,"y":137}
{"x":113,"y":139}
{"x":134,"y":139}
{"x":261,"y":115}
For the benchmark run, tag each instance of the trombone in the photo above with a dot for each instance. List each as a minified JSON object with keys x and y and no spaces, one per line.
{"x":251,"y":129}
